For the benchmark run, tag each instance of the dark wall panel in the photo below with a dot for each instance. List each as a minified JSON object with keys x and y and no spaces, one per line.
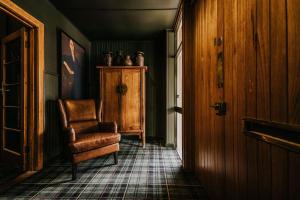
{"x":293,"y":16}
{"x":294,"y":173}
{"x":278,"y":60}
{"x":279,"y":170}
{"x":263,"y":60}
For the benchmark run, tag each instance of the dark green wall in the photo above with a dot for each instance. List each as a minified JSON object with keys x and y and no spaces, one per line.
{"x":155,"y":77}
{"x":53,"y":21}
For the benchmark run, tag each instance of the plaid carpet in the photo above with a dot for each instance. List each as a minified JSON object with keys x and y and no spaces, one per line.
{"x":151,"y":173}
{"x":7,"y":173}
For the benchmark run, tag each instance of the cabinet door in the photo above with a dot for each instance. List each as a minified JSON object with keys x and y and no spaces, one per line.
{"x":131,"y":101}
{"x":110,"y":79}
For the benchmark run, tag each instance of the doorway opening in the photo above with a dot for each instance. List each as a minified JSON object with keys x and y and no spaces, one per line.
{"x":21,"y":93}
{"x":15,"y":58}
{"x":178,"y":86}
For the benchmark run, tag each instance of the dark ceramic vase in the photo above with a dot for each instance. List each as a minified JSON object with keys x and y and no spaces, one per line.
{"x":107,"y":58}
{"x":128,"y":61}
{"x":118,"y":59}
{"x":139,"y":59}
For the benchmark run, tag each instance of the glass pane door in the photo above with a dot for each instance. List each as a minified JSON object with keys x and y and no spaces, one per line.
{"x":13,"y":90}
{"x":11,"y":98}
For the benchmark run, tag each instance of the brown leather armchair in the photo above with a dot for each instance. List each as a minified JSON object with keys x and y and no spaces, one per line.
{"x":86,"y":135}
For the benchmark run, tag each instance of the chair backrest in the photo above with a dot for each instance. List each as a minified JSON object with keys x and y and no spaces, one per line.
{"x":82,"y":115}
{"x":80,"y":110}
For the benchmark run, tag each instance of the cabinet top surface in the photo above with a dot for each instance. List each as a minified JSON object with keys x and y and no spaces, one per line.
{"x":121,"y":67}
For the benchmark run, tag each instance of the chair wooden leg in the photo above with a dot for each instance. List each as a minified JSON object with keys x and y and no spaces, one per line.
{"x":116,"y":157}
{"x":74,"y":171}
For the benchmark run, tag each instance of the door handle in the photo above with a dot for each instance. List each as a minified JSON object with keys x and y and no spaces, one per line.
{"x":220,"y":107}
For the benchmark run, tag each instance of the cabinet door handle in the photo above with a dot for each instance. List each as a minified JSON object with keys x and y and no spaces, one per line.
{"x":122,"y":89}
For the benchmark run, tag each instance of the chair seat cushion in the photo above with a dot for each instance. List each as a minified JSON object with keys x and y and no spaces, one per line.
{"x":89,"y":141}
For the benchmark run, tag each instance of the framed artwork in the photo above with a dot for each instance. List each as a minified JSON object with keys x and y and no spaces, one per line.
{"x":73,"y":63}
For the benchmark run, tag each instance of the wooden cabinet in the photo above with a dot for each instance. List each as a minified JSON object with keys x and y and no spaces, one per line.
{"x":122,"y":90}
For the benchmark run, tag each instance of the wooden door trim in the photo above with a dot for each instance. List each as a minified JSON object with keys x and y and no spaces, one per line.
{"x":36,"y":90}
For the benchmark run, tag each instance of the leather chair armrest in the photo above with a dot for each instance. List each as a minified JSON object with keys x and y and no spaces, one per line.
{"x":71,"y":135}
{"x":108,"y":127}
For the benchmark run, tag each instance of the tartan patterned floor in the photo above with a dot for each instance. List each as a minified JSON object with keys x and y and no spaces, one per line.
{"x":150,"y":173}
{"x":7,"y":173}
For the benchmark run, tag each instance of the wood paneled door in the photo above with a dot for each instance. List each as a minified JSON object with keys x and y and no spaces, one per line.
{"x":209,"y":97}
{"x":122,"y":90}
{"x":14,"y":99}
{"x":253,"y":151}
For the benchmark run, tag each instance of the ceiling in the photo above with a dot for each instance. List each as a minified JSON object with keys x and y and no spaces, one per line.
{"x":120,"y":19}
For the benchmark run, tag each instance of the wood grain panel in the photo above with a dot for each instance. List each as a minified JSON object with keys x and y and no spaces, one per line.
{"x":230,"y":76}
{"x":204,"y":92}
{"x":264,"y":170}
{"x":207,"y":101}
{"x":256,"y":85}
{"x":188,"y":61}
{"x":201,"y":47}
{"x":263,"y":60}
{"x":131,"y":101}
{"x":294,"y":174}
{"x":110,"y":79}
{"x":250,"y":43}
{"x":251,"y":94}
{"x":209,"y":144}
{"x":252,"y":166}
{"x":197,"y":23}
{"x":278,"y":51}
{"x":279,"y":173}
{"x":293,"y":8}
{"x":216,"y":125}
{"x":219,"y":122}
{"x":198,"y":74}
{"x":241,"y":98}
